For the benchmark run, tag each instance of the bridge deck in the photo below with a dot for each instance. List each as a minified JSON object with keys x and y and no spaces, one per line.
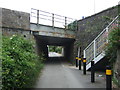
{"x":46,"y":30}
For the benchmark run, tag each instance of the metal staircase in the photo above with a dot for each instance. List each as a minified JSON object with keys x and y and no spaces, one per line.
{"x":95,"y":50}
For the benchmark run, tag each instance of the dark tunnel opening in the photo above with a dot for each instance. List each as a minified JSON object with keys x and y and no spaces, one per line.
{"x":42,"y":43}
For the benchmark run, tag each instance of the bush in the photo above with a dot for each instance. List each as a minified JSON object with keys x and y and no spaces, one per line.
{"x":57,"y":49}
{"x":114,"y":44}
{"x":20,"y":64}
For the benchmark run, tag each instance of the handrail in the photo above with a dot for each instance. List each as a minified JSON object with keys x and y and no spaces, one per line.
{"x":54,"y":18}
{"x":97,"y":44}
{"x":113,"y":21}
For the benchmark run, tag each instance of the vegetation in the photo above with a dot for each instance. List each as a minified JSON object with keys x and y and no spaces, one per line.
{"x":73,"y":25}
{"x":107,"y":18}
{"x":114,"y":44}
{"x":112,"y":47}
{"x":20,"y":64}
{"x":57,"y":49}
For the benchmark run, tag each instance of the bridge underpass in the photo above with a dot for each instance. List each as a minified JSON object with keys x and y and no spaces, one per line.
{"x":57,"y":73}
{"x":67,"y":43}
{"x":61,"y":74}
{"x":57,"y":31}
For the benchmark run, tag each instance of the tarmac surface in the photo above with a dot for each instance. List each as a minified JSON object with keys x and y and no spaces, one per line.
{"x":59,"y":74}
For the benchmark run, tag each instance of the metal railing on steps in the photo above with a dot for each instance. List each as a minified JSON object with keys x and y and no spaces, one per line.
{"x":95,"y":50}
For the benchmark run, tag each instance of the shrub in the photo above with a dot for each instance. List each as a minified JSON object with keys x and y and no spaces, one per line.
{"x":20,"y":64}
{"x":114,"y":44}
{"x":57,"y":49}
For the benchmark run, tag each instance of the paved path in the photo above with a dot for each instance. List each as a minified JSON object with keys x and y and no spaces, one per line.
{"x":57,"y":74}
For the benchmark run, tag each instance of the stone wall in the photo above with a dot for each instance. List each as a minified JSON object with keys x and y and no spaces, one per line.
{"x":90,"y":27}
{"x":117,"y":68}
{"x":15,"y":19}
{"x":15,"y":23}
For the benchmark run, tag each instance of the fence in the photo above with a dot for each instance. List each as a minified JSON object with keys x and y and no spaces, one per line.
{"x":46,"y":18}
{"x":97,"y":46}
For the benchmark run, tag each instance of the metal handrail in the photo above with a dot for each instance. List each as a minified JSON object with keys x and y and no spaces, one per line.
{"x":39,"y":14}
{"x":95,"y":42}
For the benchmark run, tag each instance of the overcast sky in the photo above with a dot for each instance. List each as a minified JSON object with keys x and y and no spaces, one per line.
{"x":71,"y":8}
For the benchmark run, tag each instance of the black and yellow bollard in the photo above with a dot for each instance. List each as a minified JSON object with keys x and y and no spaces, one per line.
{"x":92,"y":72}
{"x":108,"y":78}
{"x":84,"y":66}
{"x":76,"y":61}
{"x":79,"y":63}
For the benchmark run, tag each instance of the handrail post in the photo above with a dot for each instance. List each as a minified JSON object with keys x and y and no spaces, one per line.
{"x":37,"y":16}
{"x":107,"y":34}
{"x":84,"y":53}
{"x":94,"y":49}
{"x":65,"y":23}
{"x":53,"y":20}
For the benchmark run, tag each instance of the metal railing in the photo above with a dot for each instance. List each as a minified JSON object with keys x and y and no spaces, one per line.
{"x":55,"y":20}
{"x":97,"y":46}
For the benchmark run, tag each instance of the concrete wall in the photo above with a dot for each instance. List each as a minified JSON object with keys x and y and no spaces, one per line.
{"x":90,"y":27}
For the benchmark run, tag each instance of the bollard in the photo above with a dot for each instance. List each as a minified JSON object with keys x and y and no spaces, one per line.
{"x":84,"y":66}
{"x":108,"y":78}
{"x":79,"y":63}
{"x":76,"y":61}
{"x":92,"y":72}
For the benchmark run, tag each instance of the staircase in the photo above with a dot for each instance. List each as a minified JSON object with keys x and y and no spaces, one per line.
{"x":95,"y":50}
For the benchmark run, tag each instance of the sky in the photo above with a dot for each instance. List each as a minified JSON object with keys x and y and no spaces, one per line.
{"x":70,"y":8}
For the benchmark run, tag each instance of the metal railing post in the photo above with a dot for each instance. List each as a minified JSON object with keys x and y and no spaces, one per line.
{"x":37,"y":16}
{"x":65,"y":23}
{"x":107,"y":35}
{"x":53,"y":20}
{"x":84,"y":53}
{"x":94,"y":49}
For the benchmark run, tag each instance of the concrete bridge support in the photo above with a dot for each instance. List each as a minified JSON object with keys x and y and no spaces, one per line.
{"x":41,"y":47}
{"x":68,"y":51}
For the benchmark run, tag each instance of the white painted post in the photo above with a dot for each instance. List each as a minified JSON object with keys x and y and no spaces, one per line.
{"x":78,"y":51}
{"x":84,"y":54}
{"x":107,"y":34}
